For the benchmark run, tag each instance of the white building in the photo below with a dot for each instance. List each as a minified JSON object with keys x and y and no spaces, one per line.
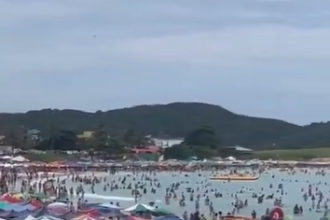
{"x":166,"y":142}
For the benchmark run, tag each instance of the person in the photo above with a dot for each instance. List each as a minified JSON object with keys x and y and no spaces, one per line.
{"x":254,"y":214}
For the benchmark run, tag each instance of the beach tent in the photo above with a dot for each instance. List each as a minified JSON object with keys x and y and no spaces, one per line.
{"x":140,"y":207}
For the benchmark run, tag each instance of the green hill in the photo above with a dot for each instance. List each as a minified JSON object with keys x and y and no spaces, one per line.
{"x":176,"y":120}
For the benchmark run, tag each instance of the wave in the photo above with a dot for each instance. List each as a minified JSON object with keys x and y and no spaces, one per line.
{"x":118,"y":198}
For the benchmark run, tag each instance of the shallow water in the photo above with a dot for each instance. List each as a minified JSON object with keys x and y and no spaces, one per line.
{"x":292,"y":187}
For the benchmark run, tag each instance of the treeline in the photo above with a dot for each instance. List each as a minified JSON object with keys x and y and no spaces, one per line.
{"x":175,"y":120}
{"x":200,"y":143}
{"x":100,"y":143}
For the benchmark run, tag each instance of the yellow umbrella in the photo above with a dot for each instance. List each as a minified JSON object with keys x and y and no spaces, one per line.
{"x":18,"y":196}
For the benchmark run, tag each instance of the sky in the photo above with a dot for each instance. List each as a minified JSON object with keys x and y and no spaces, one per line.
{"x":266,"y":58}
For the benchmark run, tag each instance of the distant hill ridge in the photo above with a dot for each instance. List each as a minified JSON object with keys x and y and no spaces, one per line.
{"x":176,"y":120}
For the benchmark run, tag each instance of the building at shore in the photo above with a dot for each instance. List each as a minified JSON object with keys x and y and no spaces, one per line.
{"x":164,"y":143}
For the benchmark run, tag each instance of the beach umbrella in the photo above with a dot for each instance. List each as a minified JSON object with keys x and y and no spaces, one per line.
{"x":35,"y":203}
{"x":17,"y":207}
{"x":169,"y":217}
{"x":130,"y":217}
{"x":86,"y":217}
{"x":116,"y":214}
{"x":57,"y":204}
{"x":19,"y":196}
{"x":58,"y":208}
{"x":9,"y":198}
{"x":139,"y":207}
{"x":58,"y":211}
{"x":161,"y":212}
{"x":5,"y":214}
{"x":18,"y":215}
{"x":8,"y":165}
{"x":108,"y":205}
{"x":39,"y":195}
{"x":30,"y":217}
{"x":46,"y":217}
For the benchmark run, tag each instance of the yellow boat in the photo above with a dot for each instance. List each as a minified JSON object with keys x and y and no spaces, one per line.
{"x":235,"y":178}
{"x":236,"y":218}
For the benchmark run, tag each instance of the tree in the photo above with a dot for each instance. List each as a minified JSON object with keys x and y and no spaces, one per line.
{"x":116,"y":148}
{"x":202,"y":143}
{"x":61,"y":140}
{"x":176,"y":120}
{"x":16,"y":138}
{"x":178,"y":152}
{"x":134,"y":139}
{"x":203,"y":137}
{"x":100,"y":138}
{"x":67,"y":140}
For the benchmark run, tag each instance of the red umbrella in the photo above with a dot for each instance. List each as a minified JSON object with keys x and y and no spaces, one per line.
{"x":9,"y":198}
{"x":35,"y":203}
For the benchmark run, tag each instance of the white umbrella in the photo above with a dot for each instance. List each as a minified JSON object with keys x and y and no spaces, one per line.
{"x":110,"y":206}
{"x":20,"y":159}
{"x":136,"y":206}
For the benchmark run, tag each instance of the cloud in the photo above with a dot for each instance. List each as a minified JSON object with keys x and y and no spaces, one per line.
{"x":233,"y":46}
{"x":248,"y":55}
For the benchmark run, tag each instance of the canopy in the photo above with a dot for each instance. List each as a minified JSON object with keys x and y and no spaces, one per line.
{"x":140,"y":207}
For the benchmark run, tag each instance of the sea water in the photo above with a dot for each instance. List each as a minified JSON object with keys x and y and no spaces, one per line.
{"x":292,"y":185}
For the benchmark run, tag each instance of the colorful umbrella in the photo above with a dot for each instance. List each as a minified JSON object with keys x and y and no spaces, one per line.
{"x":86,"y":217}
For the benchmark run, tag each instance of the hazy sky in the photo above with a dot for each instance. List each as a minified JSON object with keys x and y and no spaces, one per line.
{"x":267,"y":58}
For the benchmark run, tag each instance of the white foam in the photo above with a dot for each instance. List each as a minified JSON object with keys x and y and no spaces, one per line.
{"x":118,"y":198}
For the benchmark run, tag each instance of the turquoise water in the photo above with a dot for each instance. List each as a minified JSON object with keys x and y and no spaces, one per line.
{"x":292,"y":188}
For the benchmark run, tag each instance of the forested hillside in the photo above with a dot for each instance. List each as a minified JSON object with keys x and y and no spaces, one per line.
{"x":177,"y":120}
